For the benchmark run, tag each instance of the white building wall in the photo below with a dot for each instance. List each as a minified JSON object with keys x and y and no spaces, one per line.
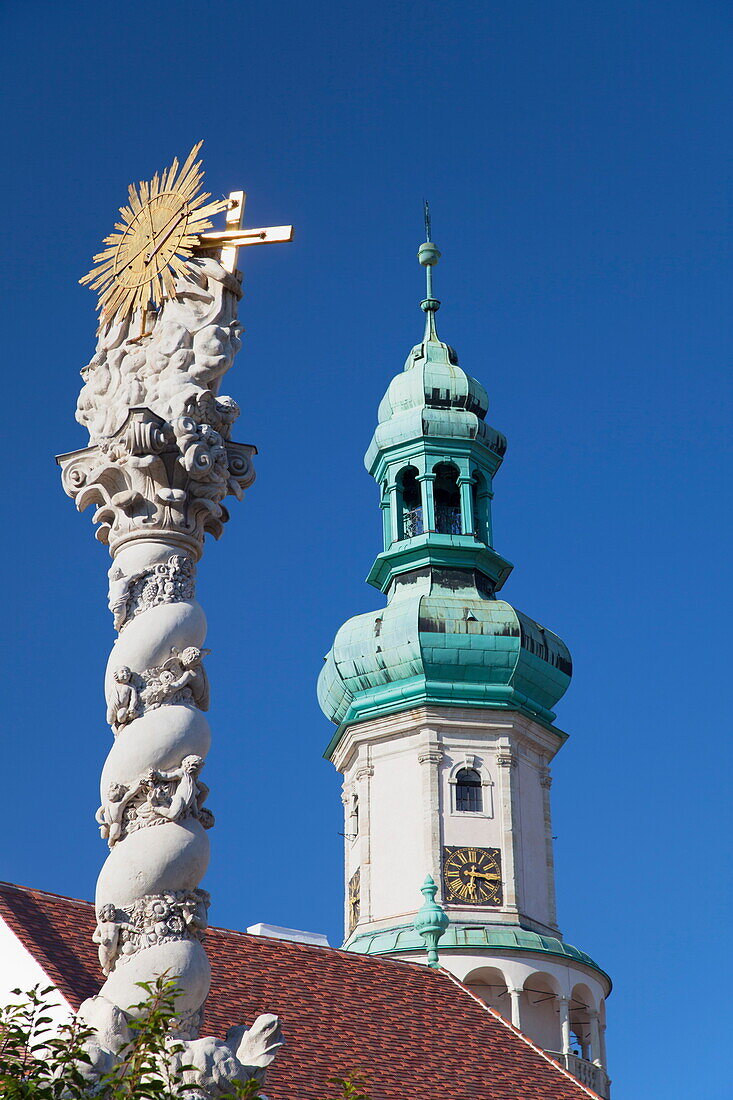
{"x":403,"y":770}
{"x":534,"y":892}
{"x":19,"y":970}
{"x":391,"y":794}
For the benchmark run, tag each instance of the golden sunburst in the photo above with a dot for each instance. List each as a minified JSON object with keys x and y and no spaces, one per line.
{"x":148,"y":249}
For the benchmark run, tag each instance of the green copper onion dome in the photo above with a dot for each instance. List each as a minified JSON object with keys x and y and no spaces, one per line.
{"x":444,"y":636}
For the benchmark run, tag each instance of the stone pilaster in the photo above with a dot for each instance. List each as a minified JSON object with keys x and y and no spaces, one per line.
{"x":506,"y":763}
{"x":429,"y":756}
{"x":363,"y":784}
{"x":546,"y":783}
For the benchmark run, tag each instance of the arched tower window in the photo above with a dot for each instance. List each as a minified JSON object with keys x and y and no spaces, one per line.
{"x":447,"y":500}
{"x":410,"y":503}
{"x":469,"y":799}
{"x":481,"y":506}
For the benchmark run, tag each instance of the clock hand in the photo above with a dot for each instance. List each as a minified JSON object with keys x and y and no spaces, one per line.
{"x":162,"y":240}
{"x":129,"y":260}
{"x":478,"y":874}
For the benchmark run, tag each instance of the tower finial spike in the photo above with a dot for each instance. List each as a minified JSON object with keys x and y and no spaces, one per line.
{"x":431,"y":921}
{"x":428,"y":255}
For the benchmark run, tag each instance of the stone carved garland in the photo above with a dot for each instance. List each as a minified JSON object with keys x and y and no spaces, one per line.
{"x":180,"y":680}
{"x":159,"y":464}
{"x":119,"y":934}
{"x":157,"y":797}
{"x":166,"y":582}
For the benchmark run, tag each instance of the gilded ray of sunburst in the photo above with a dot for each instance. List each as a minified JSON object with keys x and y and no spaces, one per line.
{"x":148,"y":249}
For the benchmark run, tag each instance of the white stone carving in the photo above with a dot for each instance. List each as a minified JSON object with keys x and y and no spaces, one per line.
{"x":157,"y":797}
{"x":166,"y":582}
{"x":123,"y":705}
{"x":107,"y":934}
{"x":193,"y":344}
{"x":180,"y":679}
{"x":158,"y":467}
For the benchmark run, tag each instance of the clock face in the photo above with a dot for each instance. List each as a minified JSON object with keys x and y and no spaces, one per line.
{"x":472,"y":876}
{"x":354,"y":900}
{"x":157,"y":233}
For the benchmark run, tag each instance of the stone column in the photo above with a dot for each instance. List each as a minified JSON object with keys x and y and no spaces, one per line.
{"x":511,"y":856}
{"x":546,"y":783}
{"x":430,"y":756}
{"x":563,"y":1004}
{"x":602,"y":1037}
{"x":516,"y":999}
{"x":363,"y":787}
{"x":159,"y":464}
{"x":384,"y":504}
{"x":394,"y":514}
{"x":595,"y":1038}
{"x":428,"y":500}
{"x":468,"y":520}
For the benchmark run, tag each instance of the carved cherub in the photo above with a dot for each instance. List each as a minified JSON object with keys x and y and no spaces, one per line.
{"x":124,"y":702}
{"x":188,"y":795}
{"x":193,"y":676}
{"x":111,"y":812}
{"x":107,"y":935}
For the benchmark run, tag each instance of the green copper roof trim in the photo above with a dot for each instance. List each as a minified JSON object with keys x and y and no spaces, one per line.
{"x":416,"y":692}
{"x":460,"y":551}
{"x":391,"y":941}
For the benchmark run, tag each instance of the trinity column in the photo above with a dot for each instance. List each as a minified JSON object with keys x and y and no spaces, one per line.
{"x":159,"y":465}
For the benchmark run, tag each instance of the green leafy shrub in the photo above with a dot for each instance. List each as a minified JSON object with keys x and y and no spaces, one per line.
{"x":41,"y":1061}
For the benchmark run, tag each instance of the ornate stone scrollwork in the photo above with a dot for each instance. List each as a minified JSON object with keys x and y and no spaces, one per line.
{"x":154,"y":478}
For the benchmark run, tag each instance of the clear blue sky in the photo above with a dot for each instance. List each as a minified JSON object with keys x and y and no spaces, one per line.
{"x":578,"y":159}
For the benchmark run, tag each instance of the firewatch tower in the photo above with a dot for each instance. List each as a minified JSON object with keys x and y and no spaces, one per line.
{"x":443,"y":702}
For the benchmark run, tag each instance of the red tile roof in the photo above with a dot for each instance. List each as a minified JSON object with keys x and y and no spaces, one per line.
{"x":412,"y":1031}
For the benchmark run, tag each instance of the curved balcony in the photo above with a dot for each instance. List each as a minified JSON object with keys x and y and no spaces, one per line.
{"x":588,"y":1073}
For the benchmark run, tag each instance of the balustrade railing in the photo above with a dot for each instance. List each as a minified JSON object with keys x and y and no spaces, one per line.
{"x":448,"y":519}
{"x":588,"y":1073}
{"x":412,"y":522}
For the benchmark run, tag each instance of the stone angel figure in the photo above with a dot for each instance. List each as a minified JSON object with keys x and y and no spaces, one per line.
{"x":111,"y":813}
{"x":180,"y":679}
{"x":190,"y":793}
{"x":123,"y":705}
{"x":107,"y":936}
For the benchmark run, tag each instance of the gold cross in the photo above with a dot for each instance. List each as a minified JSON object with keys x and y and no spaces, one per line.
{"x":231,"y":239}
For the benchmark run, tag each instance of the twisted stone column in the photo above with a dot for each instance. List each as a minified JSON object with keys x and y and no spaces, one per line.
{"x":159,"y":465}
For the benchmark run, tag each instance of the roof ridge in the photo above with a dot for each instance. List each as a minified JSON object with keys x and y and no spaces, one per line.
{"x":367,"y":960}
{"x":42,"y":893}
{"x":364,"y":959}
{"x":521,"y":1035}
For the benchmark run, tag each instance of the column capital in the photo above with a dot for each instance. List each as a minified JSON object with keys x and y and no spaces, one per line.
{"x":160,"y":480}
{"x":506,"y":759}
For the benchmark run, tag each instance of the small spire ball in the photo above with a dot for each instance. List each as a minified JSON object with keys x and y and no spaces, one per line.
{"x":428,"y":254}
